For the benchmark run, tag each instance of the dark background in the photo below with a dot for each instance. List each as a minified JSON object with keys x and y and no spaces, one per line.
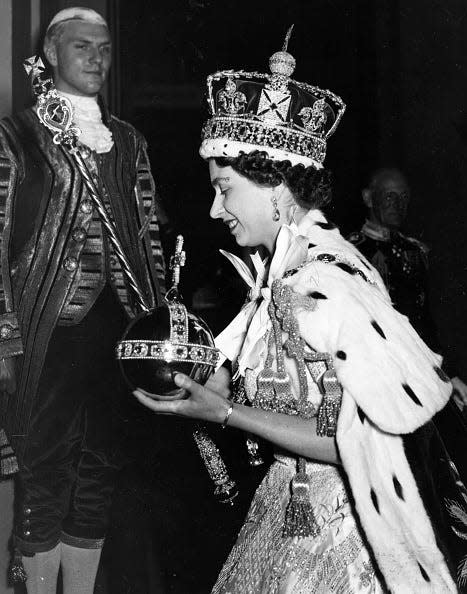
{"x":401,"y":69}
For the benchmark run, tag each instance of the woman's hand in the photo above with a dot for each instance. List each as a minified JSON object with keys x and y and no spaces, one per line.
{"x":220,"y":382}
{"x":207,"y":403}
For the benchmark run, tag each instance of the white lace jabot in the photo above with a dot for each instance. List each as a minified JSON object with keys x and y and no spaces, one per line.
{"x":88,"y":117}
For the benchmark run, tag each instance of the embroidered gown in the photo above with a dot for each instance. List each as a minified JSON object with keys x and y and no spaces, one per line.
{"x":374,"y":533}
{"x":264,"y":562}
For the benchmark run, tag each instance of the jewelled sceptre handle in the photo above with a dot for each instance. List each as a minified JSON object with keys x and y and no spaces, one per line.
{"x":176,"y":262}
{"x":226,"y":489}
{"x":55,"y":112}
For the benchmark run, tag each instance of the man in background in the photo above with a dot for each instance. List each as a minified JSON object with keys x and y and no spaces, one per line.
{"x":402,"y":262}
{"x":64,"y":304}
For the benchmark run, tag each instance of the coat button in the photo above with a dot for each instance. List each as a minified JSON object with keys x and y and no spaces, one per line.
{"x":70,"y":264}
{"x":27,"y":511}
{"x":86,"y":206}
{"x":79,"y":234}
{"x":27,"y":533}
{"x":6,"y":331}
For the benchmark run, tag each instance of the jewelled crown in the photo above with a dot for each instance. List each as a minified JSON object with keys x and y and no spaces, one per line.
{"x":271,"y":112}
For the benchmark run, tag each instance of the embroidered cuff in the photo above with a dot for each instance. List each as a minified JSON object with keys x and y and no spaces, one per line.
{"x":29,"y":549}
{"x":8,"y":461}
{"x":10,"y":337}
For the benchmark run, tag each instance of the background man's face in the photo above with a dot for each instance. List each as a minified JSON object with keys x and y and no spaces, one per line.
{"x":390,"y":198}
{"x":81,"y":58}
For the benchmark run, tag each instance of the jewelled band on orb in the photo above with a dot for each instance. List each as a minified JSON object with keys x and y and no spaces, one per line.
{"x":164,"y":350}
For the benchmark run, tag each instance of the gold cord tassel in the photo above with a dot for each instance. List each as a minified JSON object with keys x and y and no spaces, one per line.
{"x":16,"y":572}
{"x":329,"y":410}
{"x":300,"y":520}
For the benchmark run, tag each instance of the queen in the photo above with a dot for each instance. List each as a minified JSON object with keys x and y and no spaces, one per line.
{"x":361,"y":496}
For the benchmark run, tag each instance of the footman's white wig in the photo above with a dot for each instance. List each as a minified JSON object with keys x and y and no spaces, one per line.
{"x":77,"y":13}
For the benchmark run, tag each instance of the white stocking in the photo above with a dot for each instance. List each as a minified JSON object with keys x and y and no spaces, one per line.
{"x":42,"y":571}
{"x":79,"y":569}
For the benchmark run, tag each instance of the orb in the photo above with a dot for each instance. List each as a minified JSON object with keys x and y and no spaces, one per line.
{"x":162,"y":342}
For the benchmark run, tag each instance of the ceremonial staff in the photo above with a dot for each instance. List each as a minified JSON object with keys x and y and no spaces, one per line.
{"x":55,"y":112}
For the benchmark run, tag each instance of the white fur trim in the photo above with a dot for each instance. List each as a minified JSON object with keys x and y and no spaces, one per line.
{"x":222,"y":147}
{"x":372,"y":375}
{"x":376,"y":369}
{"x":398,"y":528}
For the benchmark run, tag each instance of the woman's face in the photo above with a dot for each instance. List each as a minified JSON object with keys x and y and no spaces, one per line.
{"x":244,"y":207}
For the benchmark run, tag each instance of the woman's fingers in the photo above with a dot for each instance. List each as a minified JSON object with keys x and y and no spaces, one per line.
{"x":170,"y":403}
{"x":177,"y":394}
{"x":185,"y":382}
{"x":199,"y":403}
{"x":158,"y":406}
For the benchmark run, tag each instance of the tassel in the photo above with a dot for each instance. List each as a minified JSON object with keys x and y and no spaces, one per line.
{"x":281,"y":384}
{"x":265,"y":383}
{"x":226,"y":489}
{"x":329,"y":410}
{"x":16,"y":572}
{"x":300,"y":520}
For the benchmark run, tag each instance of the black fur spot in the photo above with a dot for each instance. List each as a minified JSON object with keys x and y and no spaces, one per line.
{"x":364,"y":264}
{"x":425,"y":576}
{"x":441,"y":374}
{"x":317,"y":295}
{"x":326,"y":226}
{"x":378,"y":329}
{"x":341,"y":355}
{"x":326,"y":258}
{"x":362,"y":274}
{"x":361,"y":414}
{"x":374,"y":499}
{"x":346,"y":268}
{"x":311,"y":245}
{"x":412,"y":394}
{"x":398,"y":487}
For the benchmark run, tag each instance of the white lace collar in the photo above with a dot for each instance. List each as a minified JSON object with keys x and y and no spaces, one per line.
{"x":87,"y":116}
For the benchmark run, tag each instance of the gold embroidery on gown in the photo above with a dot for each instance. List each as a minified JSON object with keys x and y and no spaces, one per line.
{"x":263,"y":561}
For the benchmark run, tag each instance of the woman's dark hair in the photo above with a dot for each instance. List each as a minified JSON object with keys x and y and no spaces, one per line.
{"x":310,"y":187}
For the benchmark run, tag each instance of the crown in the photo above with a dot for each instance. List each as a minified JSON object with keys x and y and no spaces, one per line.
{"x":269,"y":112}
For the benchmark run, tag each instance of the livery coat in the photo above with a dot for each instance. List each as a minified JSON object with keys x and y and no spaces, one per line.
{"x":41,"y":192}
